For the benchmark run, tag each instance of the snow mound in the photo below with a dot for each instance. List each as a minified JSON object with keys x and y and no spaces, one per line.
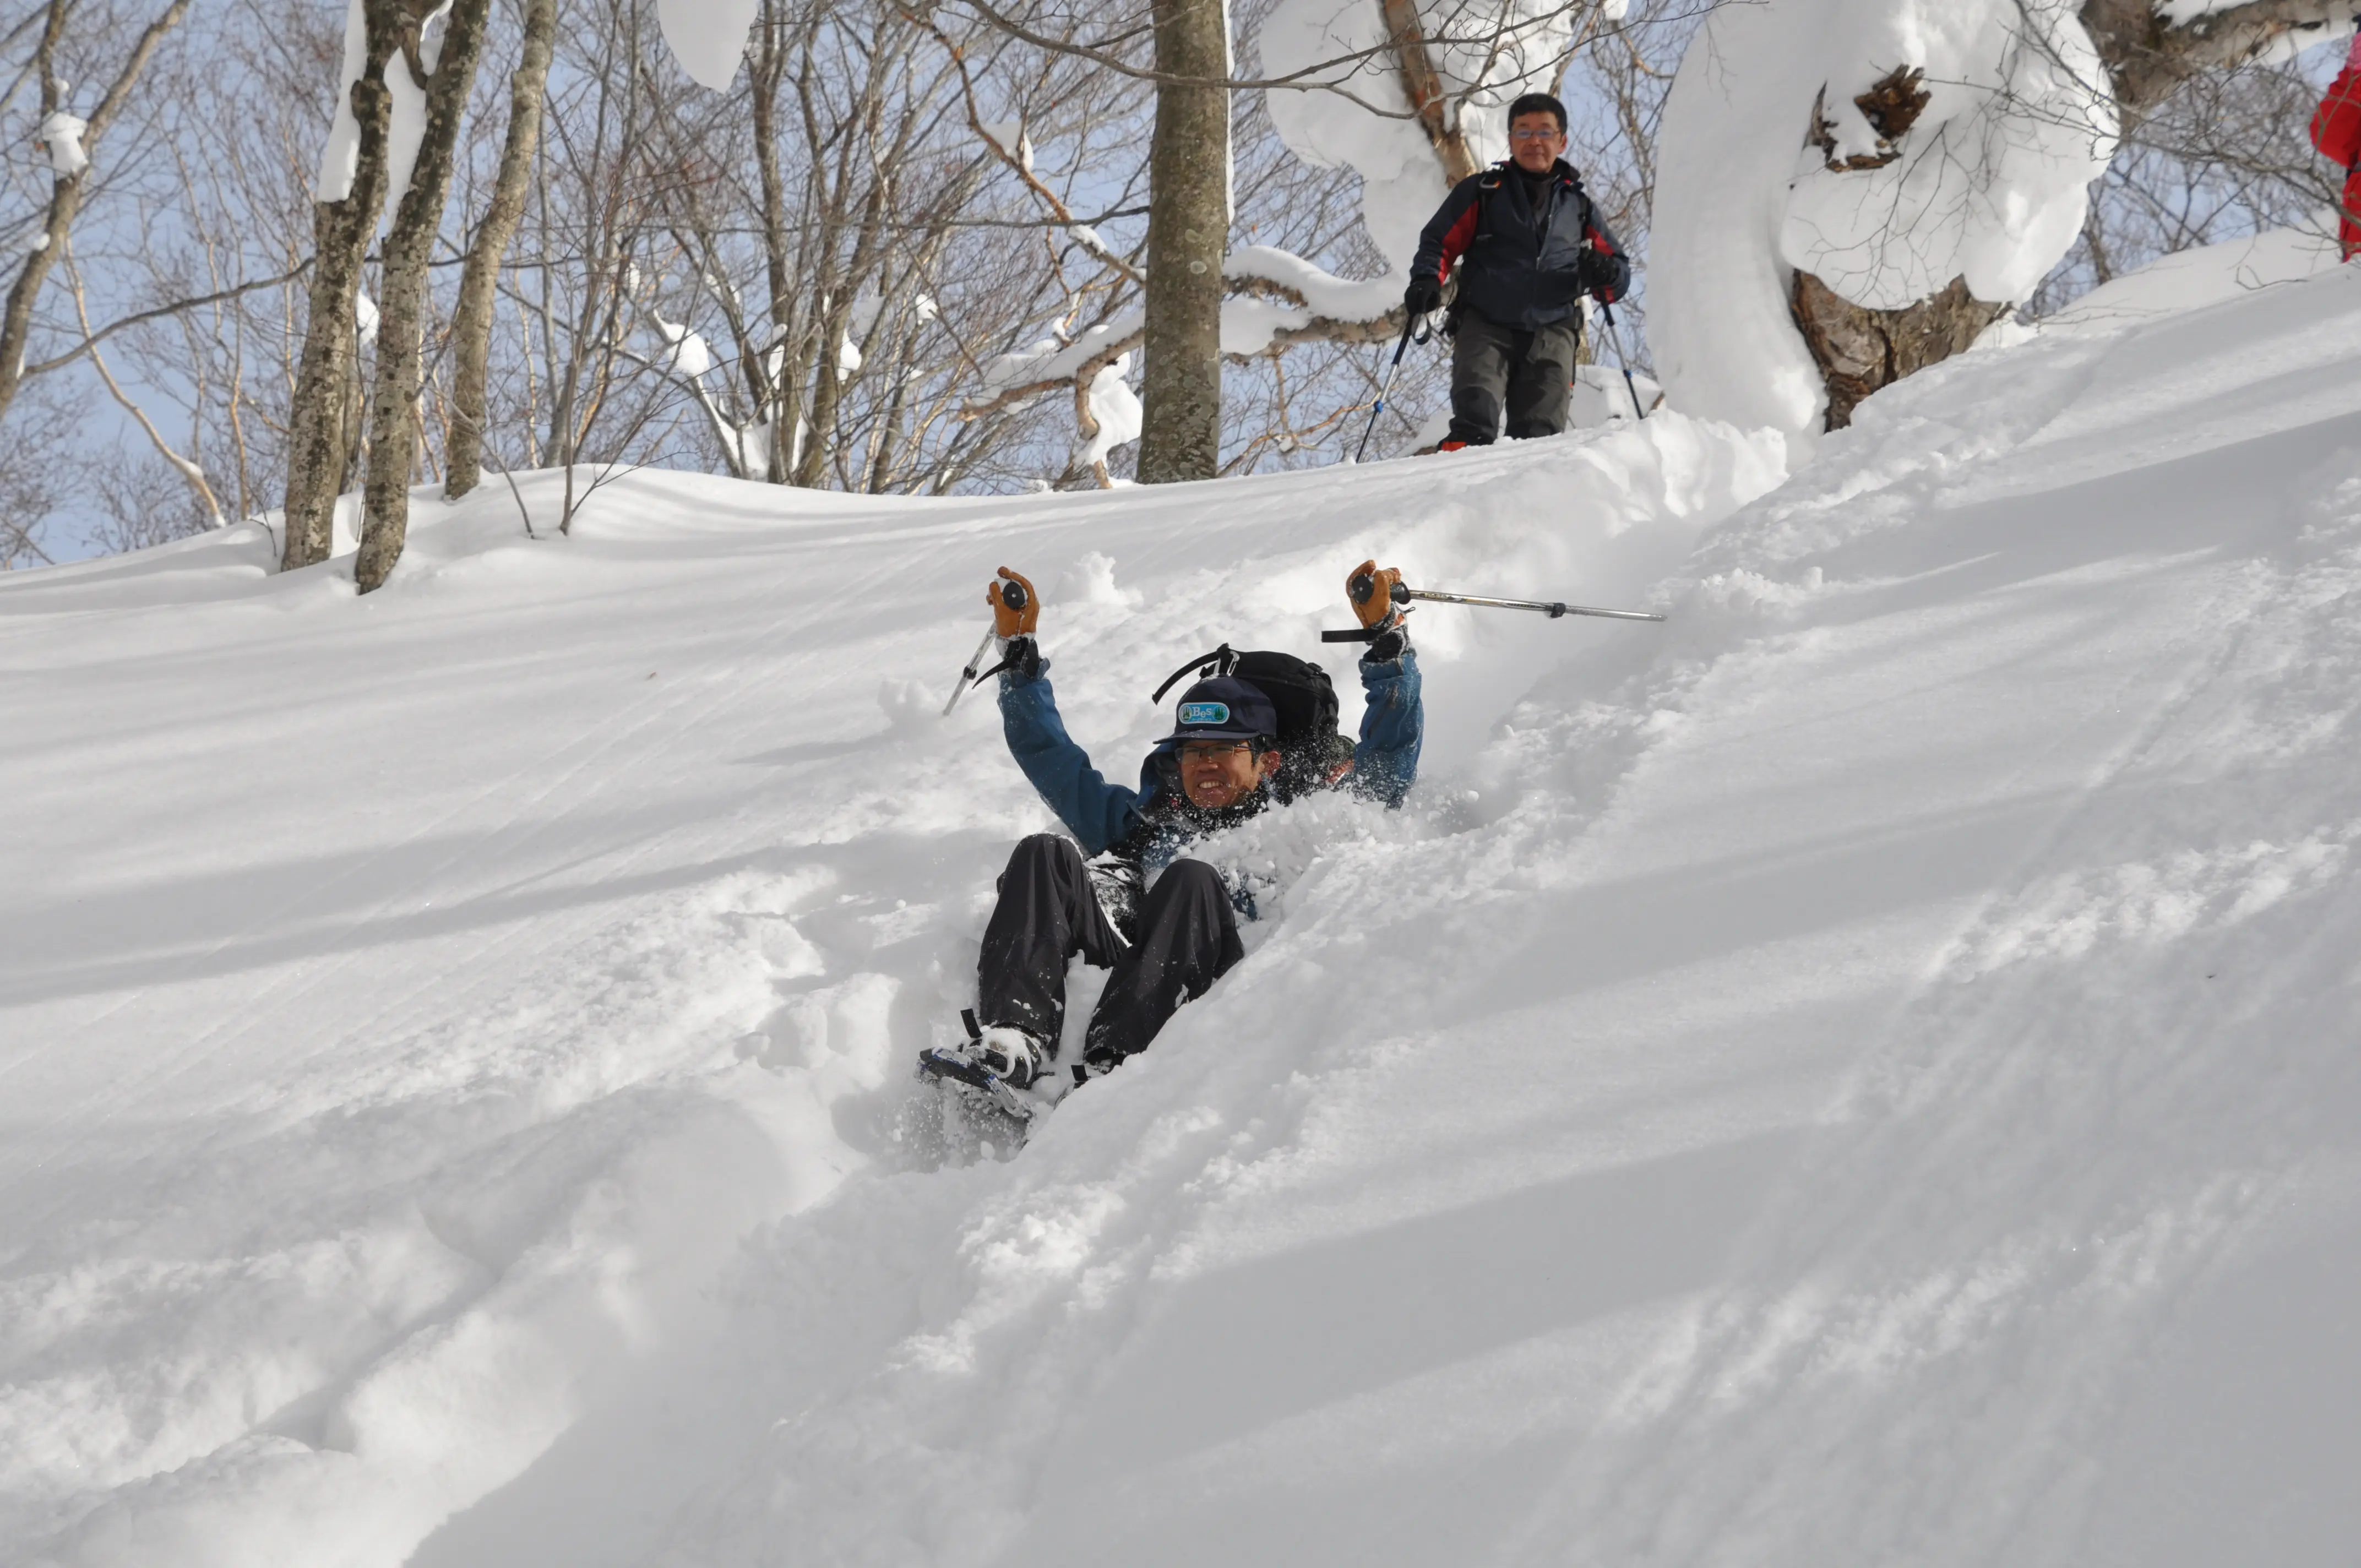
{"x":2208,"y":275}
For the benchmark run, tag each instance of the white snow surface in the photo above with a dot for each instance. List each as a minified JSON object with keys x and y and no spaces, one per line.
{"x":1860,"y":1073}
{"x":2208,"y":275}
{"x":1602,"y":396}
{"x":1401,"y":182}
{"x":1989,"y":183}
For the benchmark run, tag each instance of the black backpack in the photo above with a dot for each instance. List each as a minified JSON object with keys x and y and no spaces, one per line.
{"x":1308,"y":742}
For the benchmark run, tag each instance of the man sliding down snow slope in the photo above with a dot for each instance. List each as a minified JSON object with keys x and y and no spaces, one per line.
{"x":1228,"y":758}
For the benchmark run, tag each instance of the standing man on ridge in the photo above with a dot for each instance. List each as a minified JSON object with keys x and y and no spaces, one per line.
{"x":1528,"y":244}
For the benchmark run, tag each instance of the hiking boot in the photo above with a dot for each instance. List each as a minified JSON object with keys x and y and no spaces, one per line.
{"x":1009,"y":1054}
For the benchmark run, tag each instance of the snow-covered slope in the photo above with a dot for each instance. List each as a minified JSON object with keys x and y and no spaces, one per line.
{"x":1862,"y":1073}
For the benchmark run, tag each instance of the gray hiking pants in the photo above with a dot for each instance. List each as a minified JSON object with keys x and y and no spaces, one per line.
{"x":1532,"y":372}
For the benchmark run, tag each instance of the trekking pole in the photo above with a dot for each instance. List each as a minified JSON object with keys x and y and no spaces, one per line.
{"x":1409,"y":322}
{"x":967,"y":675}
{"x":1552,"y":607}
{"x":1617,"y":339}
{"x":1547,"y":607}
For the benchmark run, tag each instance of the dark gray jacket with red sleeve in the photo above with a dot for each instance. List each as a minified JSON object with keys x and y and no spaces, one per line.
{"x":1519,"y":268}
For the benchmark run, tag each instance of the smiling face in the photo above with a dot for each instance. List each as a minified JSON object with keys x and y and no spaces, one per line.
{"x":1215,"y":773}
{"x":1535,"y":141}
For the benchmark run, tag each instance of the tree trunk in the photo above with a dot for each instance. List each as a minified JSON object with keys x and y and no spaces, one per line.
{"x":811,"y":472}
{"x":2147,"y":56}
{"x":471,"y":322}
{"x":408,"y":244}
{"x":65,"y":189}
{"x":775,"y":390}
{"x":1188,"y":233}
{"x":1422,"y":85}
{"x":341,"y":231}
{"x":1860,"y":350}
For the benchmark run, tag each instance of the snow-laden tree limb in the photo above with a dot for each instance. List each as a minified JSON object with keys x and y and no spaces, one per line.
{"x":2152,"y":45}
{"x":1279,"y":299}
{"x":1947,"y":150}
{"x":1887,"y":148}
{"x":1439,"y":118}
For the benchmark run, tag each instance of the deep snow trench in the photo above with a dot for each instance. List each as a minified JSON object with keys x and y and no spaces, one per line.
{"x":1863,"y":1073}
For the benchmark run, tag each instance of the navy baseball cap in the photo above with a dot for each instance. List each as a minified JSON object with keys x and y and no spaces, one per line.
{"x":1224,"y":709}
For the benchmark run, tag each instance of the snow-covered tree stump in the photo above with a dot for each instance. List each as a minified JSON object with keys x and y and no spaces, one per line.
{"x":1850,"y":191}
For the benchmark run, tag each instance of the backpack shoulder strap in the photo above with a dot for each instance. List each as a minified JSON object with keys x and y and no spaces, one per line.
{"x":1487,"y":185}
{"x":1218,"y":663}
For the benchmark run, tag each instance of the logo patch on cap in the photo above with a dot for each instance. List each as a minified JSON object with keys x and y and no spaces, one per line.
{"x":1204,"y":713}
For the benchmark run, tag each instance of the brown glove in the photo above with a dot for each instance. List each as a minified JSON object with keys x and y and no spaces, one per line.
{"x":1371,"y":591}
{"x":1015,"y":607}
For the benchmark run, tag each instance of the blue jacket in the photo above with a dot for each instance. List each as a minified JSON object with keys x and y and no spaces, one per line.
{"x":1102,"y":814}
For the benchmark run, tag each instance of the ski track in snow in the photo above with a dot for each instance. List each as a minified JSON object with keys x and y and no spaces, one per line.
{"x":1860,"y":1073}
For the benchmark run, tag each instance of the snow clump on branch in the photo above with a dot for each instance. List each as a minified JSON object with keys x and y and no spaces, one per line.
{"x":706,"y":37}
{"x":1886,"y":147}
{"x":61,"y":136}
{"x":1486,"y":51}
{"x":1989,"y":180}
{"x":340,"y":158}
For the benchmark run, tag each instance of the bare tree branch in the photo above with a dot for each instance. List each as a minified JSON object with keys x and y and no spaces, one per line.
{"x":178,"y":307}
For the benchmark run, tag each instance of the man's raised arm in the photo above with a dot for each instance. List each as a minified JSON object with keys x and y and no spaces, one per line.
{"x":1097,"y":813}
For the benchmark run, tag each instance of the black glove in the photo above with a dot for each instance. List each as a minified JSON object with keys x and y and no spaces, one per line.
{"x":1390,"y":645}
{"x":1424,"y":295}
{"x":1022,"y":658}
{"x":1601,"y":274}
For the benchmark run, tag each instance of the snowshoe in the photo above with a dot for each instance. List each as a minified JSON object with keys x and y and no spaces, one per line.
{"x":994,"y":1068}
{"x":989,"y":1086}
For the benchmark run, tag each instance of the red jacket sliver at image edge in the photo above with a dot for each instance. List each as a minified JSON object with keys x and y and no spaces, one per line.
{"x":2336,"y":132}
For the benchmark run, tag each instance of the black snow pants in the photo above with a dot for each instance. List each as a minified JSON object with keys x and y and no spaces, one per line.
{"x":1188,"y":939}
{"x":1532,"y":370}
